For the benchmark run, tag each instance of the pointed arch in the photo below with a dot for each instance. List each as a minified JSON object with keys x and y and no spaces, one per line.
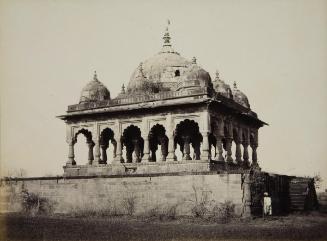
{"x":187,"y":135}
{"x":134,"y":144}
{"x":157,"y":136}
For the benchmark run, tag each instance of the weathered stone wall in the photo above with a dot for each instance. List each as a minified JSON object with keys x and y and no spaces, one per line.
{"x":146,"y":192}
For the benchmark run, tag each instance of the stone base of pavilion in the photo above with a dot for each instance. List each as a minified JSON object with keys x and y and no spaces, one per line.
{"x":198,"y":166}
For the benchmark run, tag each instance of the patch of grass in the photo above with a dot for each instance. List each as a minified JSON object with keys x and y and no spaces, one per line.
{"x":58,"y":228}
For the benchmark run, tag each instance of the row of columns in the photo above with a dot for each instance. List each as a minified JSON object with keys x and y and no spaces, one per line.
{"x":170,"y":156}
{"x":239,"y":156}
{"x":100,"y":150}
{"x":228,"y":137}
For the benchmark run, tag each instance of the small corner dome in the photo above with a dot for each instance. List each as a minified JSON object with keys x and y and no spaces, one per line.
{"x":240,"y":97}
{"x":194,"y":77}
{"x":94,"y":91}
{"x":195,"y":72}
{"x":221,"y":87}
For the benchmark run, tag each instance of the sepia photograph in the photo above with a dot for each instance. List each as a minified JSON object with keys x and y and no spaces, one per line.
{"x":163,"y":120}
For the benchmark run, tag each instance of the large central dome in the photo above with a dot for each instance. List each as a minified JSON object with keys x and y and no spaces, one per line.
{"x":167,"y":68}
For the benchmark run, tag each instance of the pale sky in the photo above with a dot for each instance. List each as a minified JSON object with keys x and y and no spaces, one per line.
{"x":275,"y":50}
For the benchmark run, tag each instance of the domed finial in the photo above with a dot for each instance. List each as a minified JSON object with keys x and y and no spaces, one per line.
{"x":166,"y":36}
{"x":235,"y":86}
{"x":140,"y":71}
{"x":123,"y":89}
{"x":141,"y":68}
{"x":217,"y":75}
{"x":193,"y":60}
{"x":95,"y":76}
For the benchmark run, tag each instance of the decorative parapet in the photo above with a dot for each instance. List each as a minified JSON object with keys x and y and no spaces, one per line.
{"x":137,"y":99}
{"x":190,"y":83}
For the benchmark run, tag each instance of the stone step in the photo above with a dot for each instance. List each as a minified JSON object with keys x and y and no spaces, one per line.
{"x":297,"y":190}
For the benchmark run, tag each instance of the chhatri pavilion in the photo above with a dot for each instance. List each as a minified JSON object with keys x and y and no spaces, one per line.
{"x":169,"y":140}
{"x":172,"y":117}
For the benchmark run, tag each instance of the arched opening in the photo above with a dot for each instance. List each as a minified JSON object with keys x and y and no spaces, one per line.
{"x":177,"y":73}
{"x":82,"y":151}
{"x":189,"y":138}
{"x":157,"y":137}
{"x":107,"y":141}
{"x":133,"y":144}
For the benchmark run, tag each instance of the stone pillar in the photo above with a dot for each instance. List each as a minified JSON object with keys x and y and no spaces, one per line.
{"x":238,"y":152}
{"x":254,"y":155}
{"x":90,"y":157}
{"x":219,"y":134}
{"x":205,"y":130}
{"x":146,"y":153}
{"x":197,"y":152}
{"x":229,"y":153}
{"x":254,"y":146}
{"x":104,"y":153}
{"x":119,"y":153}
{"x":171,"y":148}
{"x":219,"y":149}
{"x":246,"y":211}
{"x":71,"y":155}
{"x":97,"y":152}
{"x":205,"y":154}
{"x":163,"y":144}
{"x":114,"y":143}
{"x":170,"y":134}
{"x":245,"y":143}
{"x":246,"y":162}
{"x":186,"y":152}
{"x":136,"y":153}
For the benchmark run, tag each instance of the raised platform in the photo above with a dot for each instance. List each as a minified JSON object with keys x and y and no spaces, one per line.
{"x":138,"y":168}
{"x":198,"y":166}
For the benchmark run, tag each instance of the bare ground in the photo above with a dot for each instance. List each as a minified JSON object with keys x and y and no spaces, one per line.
{"x":60,"y":228}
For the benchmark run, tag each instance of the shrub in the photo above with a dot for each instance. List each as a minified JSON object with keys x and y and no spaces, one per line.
{"x":153,"y":212}
{"x":33,"y":204}
{"x":201,"y":204}
{"x":224,"y":212}
{"x":172,"y":211}
{"x":129,"y":204}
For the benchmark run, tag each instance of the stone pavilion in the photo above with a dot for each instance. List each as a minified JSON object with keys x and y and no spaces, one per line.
{"x":172,"y":117}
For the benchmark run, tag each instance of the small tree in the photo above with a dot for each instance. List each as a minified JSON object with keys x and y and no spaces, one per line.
{"x":318,"y":180}
{"x":201,"y":203}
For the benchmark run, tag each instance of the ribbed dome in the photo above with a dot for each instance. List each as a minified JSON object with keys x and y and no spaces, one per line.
{"x":221,"y":87}
{"x":138,"y":79}
{"x":195,"y":77}
{"x":240,"y":97}
{"x":166,"y":67}
{"x":195,"y":72}
{"x":94,"y":91}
